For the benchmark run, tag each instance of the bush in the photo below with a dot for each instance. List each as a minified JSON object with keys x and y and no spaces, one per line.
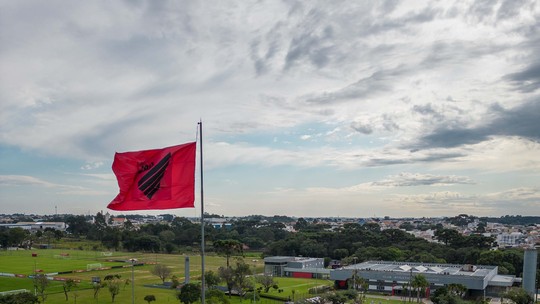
{"x":274,"y":297}
{"x":319,"y":289}
{"x":20,"y":298}
{"x":149,"y":298}
{"x":350,"y":294}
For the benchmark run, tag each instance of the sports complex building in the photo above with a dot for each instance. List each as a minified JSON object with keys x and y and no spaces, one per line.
{"x":296,"y":267}
{"x":392,"y":277}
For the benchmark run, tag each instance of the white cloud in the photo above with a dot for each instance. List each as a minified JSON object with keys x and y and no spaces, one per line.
{"x":36,"y":183}
{"x":337,"y":88}
{"x":90,"y":166}
{"x":22,"y":180}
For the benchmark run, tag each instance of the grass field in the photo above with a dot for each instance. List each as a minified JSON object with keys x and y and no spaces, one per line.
{"x":53,"y":260}
{"x":48,"y":260}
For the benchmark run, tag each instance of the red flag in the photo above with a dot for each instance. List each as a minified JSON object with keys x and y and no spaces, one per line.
{"x":155,"y":179}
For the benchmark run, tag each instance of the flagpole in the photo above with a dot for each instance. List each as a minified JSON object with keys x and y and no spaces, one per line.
{"x":202,"y":214}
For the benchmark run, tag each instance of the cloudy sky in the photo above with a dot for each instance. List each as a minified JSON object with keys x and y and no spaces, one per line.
{"x":340,"y":108}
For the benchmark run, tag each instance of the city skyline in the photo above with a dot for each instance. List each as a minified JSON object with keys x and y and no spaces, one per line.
{"x":309,"y":109}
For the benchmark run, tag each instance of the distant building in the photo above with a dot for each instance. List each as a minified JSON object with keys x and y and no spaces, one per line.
{"x":37,"y":226}
{"x":510,"y":239}
{"x":218,"y":223}
{"x":118,"y":221}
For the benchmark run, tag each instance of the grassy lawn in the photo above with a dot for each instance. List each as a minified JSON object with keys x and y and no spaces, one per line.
{"x":382,"y":300}
{"x":55,"y":260}
{"x":50,"y":260}
{"x":22,"y":262}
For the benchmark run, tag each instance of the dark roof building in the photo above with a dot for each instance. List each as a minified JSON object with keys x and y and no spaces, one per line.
{"x":298,"y":267}
{"x":393,"y":277}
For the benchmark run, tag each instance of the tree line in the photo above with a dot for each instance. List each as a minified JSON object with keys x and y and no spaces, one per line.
{"x":352,"y":241}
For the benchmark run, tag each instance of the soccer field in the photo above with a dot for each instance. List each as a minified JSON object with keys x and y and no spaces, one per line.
{"x":53,"y":261}
{"x":26,"y":262}
{"x":50,"y":261}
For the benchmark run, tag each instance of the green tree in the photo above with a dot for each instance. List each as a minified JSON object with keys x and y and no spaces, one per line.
{"x":31,"y":239}
{"x":50,"y":234}
{"x":458,"y":290}
{"x":166,"y":236}
{"x":228,"y":248}
{"x":252,"y":295}
{"x":161,"y":271}
{"x":77,"y":225}
{"x":236,"y":277}
{"x":40,"y":284}
{"x":111,"y":238}
{"x":211,"y":279}
{"x":19,"y":298}
{"x":96,"y":287}
{"x":128,"y":225}
{"x":186,"y":233}
{"x":215,"y":296}
{"x":241,"y":273}
{"x":114,"y":288}
{"x":364,"y":285}
{"x":127,"y":281}
{"x":518,"y":296}
{"x":227,"y":275}
{"x":340,"y":253}
{"x":443,"y":296}
{"x":301,"y":224}
{"x":97,"y":230}
{"x":189,"y":293}
{"x":350,"y":294}
{"x":67,"y":285}
{"x":113,"y":282}
{"x":448,"y":236}
{"x":149,"y":298}
{"x":16,"y":236}
{"x":407,"y":226}
{"x":360,"y":283}
{"x":175,"y":282}
{"x":4,"y":237}
{"x":267,"y":281}
{"x":335,"y":298}
{"x":419,"y":283}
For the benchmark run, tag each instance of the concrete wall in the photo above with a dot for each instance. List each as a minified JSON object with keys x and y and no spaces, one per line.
{"x":529,"y":270}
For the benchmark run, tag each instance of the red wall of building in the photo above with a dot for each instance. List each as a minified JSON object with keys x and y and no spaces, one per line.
{"x":305,"y":275}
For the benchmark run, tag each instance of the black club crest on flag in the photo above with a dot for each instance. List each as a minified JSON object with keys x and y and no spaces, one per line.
{"x":150,"y":182}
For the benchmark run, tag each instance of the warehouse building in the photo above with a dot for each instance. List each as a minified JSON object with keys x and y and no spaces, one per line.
{"x":393,"y":277}
{"x":296,"y":267}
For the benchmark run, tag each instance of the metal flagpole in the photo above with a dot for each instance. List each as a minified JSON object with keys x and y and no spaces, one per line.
{"x":202,"y":215}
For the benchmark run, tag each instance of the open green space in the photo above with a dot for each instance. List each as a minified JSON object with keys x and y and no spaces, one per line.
{"x":23,"y":262}
{"x":53,"y":260}
{"x":50,"y":260}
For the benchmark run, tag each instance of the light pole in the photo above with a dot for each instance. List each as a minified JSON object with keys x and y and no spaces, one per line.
{"x":354,"y":273}
{"x":35,"y":288}
{"x":254,"y":280}
{"x":410,"y":285}
{"x":132,"y":280}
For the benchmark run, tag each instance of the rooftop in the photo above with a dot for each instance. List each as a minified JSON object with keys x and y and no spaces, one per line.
{"x":424,"y":268}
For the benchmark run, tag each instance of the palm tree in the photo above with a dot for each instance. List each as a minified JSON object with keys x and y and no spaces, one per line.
{"x":457,"y":289}
{"x":364,"y":285}
{"x":406,"y":290}
{"x":419,"y":282}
